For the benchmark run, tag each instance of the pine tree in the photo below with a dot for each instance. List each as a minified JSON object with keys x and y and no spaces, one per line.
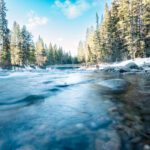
{"x":102,"y":40}
{"x":50,"y":55}
{"x":55,"y":54}
{"x":136,"y":28}
{"x":146,"y":26}
{"x":106,"y":26}
{"x":116,"y":45}
{"x":15,"y":46}
{"x":40,"y":53}
{"x":97,"y":41}
{"x":81,"y":52}
{"x":31,"y":58}
{"x":89,"y":46}
{"x":4,"y":36}
{"x":26,"y":45}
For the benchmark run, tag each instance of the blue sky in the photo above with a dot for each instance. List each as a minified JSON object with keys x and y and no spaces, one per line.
{"x":63,"y":22}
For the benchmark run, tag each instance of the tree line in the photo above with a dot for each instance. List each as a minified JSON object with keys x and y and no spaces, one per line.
{"x":18,"y":49}
{"x":122,"y":33}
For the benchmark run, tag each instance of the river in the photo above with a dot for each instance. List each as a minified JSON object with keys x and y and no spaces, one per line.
{"x":56,"y":110}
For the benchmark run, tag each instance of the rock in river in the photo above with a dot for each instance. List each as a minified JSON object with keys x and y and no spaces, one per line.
{"x":132,"y":65}
{"x":114,"y":85}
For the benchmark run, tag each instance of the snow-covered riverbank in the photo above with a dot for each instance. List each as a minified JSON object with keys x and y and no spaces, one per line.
{"x":142,"y":64}
{"x":139,"y":61}
{"x":139,"y":64}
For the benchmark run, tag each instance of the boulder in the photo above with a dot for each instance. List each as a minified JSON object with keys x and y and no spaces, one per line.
{"x":114,"y":85}
{"x":132,"y":65}
{"x":123,"y":69}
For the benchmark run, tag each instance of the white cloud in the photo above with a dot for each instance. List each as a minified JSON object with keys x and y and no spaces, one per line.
{"x":73,"y":10}
{"x":34,"y":20}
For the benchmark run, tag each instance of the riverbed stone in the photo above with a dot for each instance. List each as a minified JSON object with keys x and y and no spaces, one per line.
{"x":107,"y":139}
{"x":100,"y":124}
{"x":101,"y":145}
{"x":114,"y":85}
{"x":123,"y":70}
{"x":146,"y":147}
{"x":112,"y":109}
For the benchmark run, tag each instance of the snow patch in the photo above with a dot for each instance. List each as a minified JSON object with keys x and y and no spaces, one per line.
{"x":141,"y":62}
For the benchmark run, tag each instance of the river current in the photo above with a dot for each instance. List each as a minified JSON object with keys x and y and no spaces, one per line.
{"x":55,"y":110}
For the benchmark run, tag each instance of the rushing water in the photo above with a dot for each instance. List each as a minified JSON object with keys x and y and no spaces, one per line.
{"x":57,"y":110}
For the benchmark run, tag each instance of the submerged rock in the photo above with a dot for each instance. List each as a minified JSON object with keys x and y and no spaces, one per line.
{"x":101,"y":123}
{"x":124,"y":70}
{"x":146,"y":147}
{"x":114,"y":85}
{"x":107,"y":139}
{"x":101,"y":145}
{"x":113,"y":109}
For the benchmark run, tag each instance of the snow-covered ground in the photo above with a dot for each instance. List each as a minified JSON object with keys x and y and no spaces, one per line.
{"x":141,"y":62}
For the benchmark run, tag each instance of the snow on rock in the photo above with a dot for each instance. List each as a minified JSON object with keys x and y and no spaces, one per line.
{"x":125,"y":66}
{"x":138,"y":61}
{"x":132,"y":65}
{"x":128,"y":64}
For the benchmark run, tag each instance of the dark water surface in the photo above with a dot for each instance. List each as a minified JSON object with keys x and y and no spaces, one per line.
{"x":61,"y":110}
